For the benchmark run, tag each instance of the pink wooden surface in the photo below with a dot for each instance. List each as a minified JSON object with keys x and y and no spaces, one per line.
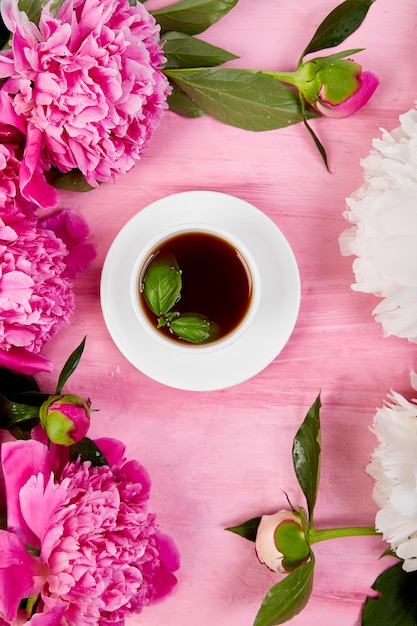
{"x":218,"y":458}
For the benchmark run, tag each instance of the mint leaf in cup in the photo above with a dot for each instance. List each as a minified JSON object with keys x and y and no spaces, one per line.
{"x":195,"y":328}
{"x":162,"y":283}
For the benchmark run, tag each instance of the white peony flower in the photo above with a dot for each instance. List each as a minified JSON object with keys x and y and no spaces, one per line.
{"x":383,"y":237}
{"x":394,"y":467}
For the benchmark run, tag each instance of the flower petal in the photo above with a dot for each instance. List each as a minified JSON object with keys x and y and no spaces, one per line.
{"x":17,"y":571}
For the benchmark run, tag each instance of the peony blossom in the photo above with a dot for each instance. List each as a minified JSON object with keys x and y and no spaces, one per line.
{"x":394,"y":468}
{"x":383,"y":235}
{"x":280,"y":541}
{"x":96,"y":553}
{"x":65,"y":419}
{"x":38,"y":259}
{"x":85,"y":86}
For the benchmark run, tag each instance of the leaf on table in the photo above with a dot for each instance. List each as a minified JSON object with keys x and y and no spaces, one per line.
{"x":192,"y":16}
{"x":306,"y":455}
{"x":180,"y":103}
{"x":397,"y":602}
{"x":247,"y":99}
{"x":287,"y":598}
{"x":338,"y":25}
{"x":182,"y":50}
{"x":248,"y":529}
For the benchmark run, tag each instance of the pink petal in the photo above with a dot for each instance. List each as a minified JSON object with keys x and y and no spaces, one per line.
{"x":32,"y":180}
{"x":73,"y":230}
{"x":21,"y":460}
{"x":17,"y":569}
{"x":113,"y":450}
{"x":24,"y":362}
{"x":38,"y":504}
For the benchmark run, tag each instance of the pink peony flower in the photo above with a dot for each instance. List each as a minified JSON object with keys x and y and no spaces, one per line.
{"x":100,"y":557}
{"x":37,"y":261}
{"x":72,"y":229}
{"x":36,"y":295}
{"x":85,"y":86}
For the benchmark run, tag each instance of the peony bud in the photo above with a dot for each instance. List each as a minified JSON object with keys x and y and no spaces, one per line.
{"x":335,"y":87}
{"x":281,"y":543}
{"x":65,"y":419}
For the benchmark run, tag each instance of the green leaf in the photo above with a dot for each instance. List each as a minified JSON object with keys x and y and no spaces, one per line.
{"x":70,"y":366}
{"x":318,"y":143}
{"x":306,"y":455}
{"x":248,"y":529}
{"x":182,"y":50}
{"x":247,"y":99}
{"x":162,"y":283}
{"x":87,"y":450}
{"x":12,"y":383}
{"x":180,"y":103}
{"x":12,"y":413}
{"x":192,"y":16}
{"x":287,"y":598}
{"x":73,"y":180}
{"x":397,"y":602}
{"x":338,"y":25}
{"x":195,"y":328}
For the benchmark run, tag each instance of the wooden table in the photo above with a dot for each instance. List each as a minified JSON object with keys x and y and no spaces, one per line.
{"x":219,"y":458}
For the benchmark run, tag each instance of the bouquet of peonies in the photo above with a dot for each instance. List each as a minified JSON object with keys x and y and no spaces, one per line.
{"x":81,"y":545}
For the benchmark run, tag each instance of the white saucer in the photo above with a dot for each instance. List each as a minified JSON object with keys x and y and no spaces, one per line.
{"x":200,"y":369}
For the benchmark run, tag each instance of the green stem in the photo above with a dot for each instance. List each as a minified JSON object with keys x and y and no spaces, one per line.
{"x":285,"y":77}
{"x":334,"y":533}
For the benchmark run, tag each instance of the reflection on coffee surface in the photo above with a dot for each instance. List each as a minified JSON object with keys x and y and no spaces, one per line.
{"x":195,"y":287}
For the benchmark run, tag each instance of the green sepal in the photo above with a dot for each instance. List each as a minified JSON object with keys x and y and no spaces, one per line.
{"x":70,"y":366}
{"x":87,"y":450}
{"x":306,"y":455}
{"x":290,"y":540}
{"x":180,"y":103}
{"x":182,"y":50}
{"x":287,"y":598}
{"x":396,"y":604}
{"x":338,"y":25}
{"x":192,"y":16}
{"x":247,"y":99}
{"x":248,"y":529}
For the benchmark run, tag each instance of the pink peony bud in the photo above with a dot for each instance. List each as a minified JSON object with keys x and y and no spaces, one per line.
{"x":281,"y":543}
{"x":336,"y":87}
{"x":65,"y":419}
